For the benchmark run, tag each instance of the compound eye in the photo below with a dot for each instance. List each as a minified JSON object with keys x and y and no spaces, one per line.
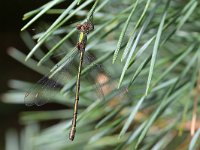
{"x":78,"y":26}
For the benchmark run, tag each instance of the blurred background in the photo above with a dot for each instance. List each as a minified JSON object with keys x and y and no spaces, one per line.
{"x":117,"y":122}
{"x":11,"y":13}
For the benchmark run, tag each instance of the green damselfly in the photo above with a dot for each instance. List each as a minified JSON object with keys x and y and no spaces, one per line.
{"x":84,"y":29}
{"x":37,"y":94}
{"x":44,"y":88}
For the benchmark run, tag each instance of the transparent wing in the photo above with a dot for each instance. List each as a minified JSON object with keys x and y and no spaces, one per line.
{"x":41,"y":93}
{"x":105,"y":79}
{"x":101,"y":77}
{"x":46,"y":88}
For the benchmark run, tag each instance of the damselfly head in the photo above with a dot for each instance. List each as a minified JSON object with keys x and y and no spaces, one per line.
{"x":85,"y":27}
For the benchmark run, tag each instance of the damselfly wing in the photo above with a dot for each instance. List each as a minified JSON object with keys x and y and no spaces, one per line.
{"x":47,"y":87}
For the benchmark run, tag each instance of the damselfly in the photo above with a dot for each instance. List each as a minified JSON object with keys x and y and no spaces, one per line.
{"x":38,"y":93}
{"x":84,"y":29}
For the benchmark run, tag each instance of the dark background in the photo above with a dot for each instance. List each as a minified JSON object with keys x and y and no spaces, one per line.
{"x":11,"y":13}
